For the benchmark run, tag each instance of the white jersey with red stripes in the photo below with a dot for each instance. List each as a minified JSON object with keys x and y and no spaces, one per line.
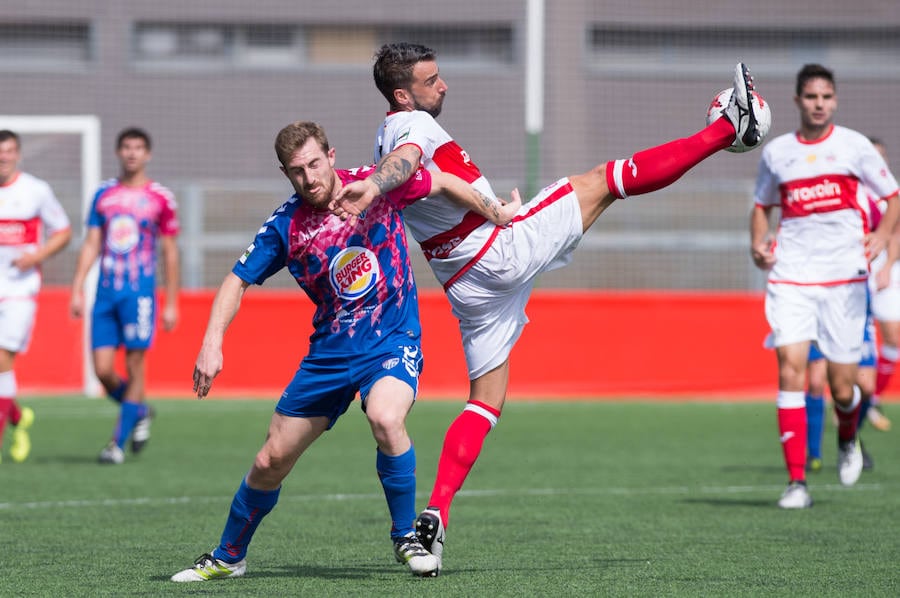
{"x":28,"y":211}
{"x":451,"y":237}
{"x":820,"y":188}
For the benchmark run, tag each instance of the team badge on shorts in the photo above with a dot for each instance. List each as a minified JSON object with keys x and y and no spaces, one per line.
{"x":353,"y":272}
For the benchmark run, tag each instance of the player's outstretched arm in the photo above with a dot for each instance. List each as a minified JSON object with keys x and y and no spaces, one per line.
{"x":225,"y":306}
{"x":495,"y":210}
{"x":90,"y":249}
{"x":392,"y":170}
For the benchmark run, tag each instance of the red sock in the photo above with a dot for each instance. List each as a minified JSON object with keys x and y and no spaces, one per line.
{"x":462,"y":445}
{"x":884,"y":371}
{"x":660,"y":166}
{"x":792,"y":427}
{"x":6,"y":406}
{"x":848,"y":421}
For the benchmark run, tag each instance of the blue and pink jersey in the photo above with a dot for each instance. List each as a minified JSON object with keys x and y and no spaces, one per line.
{"x":132,"y":218}
{"x":357,"y":273}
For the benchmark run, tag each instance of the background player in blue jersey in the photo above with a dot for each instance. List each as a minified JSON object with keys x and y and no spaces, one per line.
{"x":366,"y":336}
{"x":127,"y":218}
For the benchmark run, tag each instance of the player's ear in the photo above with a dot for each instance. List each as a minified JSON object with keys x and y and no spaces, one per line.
{"x":402,"y":97}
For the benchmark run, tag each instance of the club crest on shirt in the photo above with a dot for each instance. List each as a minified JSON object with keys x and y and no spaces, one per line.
{"x":122,"y":233}
{"x":354,"y":272}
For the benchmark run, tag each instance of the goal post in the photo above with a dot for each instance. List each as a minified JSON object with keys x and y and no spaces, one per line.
{"x":87,"y":128}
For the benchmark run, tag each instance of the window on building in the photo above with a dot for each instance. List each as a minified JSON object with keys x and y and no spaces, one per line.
{"x":634,"y":51}
{"x":45,"y":46}
{"x":193,"y":46}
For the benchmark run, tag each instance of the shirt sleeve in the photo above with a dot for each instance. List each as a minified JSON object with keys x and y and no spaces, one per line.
{"x":168,"y":215}
{"x":414,"y":189}
{"x":94,"y":217}
{"x":766,"y":193}
{"x":52,"y":213}
{"x":874,"y":172}
{"x":268,"y":252}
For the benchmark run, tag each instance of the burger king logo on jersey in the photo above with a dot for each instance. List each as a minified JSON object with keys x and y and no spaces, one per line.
{"x":353,"y":272}
{"x":122,"y":234}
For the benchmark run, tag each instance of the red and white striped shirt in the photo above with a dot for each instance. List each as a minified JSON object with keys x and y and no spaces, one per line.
{"x":820,"y":187}
{"x":27,"y":207}
{"x":452,"y":238}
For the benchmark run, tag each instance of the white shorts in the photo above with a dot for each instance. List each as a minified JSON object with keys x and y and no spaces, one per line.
{"x":16,"y":323}
{"x":832,"y":316}
{"x":886,"y":302}
{"x":489,"y":299}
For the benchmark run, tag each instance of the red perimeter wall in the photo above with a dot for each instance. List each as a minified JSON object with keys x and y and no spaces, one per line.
{"x":578,"y":344}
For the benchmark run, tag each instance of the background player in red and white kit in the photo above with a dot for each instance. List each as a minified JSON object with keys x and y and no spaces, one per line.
{"x":886,"y":309}
{"x":488,"y":272}
{"x":29,"y":212}
{"x":819,"y":265}
{"x":129,"y":216}
{"x":366,"y":339}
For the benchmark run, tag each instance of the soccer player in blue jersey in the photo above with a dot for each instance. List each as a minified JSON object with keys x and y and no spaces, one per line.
{"x":366,"y":336}
{"x":128,"y":216}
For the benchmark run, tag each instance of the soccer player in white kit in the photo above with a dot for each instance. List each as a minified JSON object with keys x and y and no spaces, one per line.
{"x":488,"y":272}
{"x":29,"y":212}
{"x":819,"y":265}
{"x":886,"y":309}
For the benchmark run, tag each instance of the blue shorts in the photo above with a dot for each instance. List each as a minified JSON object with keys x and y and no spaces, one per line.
{"x":127,"y":319}
{"x":324,"y":386}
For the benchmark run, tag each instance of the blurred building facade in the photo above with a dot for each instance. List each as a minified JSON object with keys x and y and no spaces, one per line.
{"x":214,"y":80}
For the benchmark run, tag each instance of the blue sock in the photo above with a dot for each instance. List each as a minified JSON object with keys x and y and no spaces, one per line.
{"x":129,"y":414}
{"x":248,"y":508}
{"x":398,"y":478}
{"x":864,"y":406}
{"x":118,"y":393}
{"x":815,"y":425}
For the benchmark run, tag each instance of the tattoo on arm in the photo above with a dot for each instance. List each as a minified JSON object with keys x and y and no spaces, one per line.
{"x":490,"y":203}
{"x":392,"y":172}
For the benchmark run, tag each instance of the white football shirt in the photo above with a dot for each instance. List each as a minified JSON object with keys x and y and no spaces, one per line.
{"x":452,"y":238}
{"x":28,"y":210}
{"x":820,"y":188}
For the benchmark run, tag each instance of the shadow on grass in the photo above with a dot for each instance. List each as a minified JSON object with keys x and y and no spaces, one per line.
{"x":373,"y":572}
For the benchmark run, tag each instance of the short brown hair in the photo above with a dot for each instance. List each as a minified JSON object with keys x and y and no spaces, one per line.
{"x":6,"y":135}
{"x":295,"y":135}
{"x":133,"y":133}
{"x":394,"y":65}
{"x":813,"y":71}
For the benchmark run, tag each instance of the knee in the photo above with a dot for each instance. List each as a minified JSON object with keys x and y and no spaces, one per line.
{"x":271,"y":465}
{"x":388,"y":427}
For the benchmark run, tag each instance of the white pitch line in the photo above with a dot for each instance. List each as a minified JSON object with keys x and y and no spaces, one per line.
{"x":661,"y":491}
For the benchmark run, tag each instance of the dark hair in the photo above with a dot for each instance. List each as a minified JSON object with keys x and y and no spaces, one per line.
{"x":813,"y":71}
{"x":133,"y":133}
{"x":6,"y":135}
{"x":394,"y":66}
{"x":295,"y":135}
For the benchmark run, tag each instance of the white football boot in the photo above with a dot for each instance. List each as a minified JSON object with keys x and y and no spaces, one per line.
{"x":207,"y":567}
{"x":795,"y":496}
{"x":850,"y":461}
{"x":741,"y":111}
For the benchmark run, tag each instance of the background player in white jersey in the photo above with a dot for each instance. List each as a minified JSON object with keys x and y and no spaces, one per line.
{"x":129,"y":216}
{"x":488,"y":272}
{"x":33,"y":227}
{"x":819,"y":265}
{"x":886,"y":309}
{"x":366,"y":336}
